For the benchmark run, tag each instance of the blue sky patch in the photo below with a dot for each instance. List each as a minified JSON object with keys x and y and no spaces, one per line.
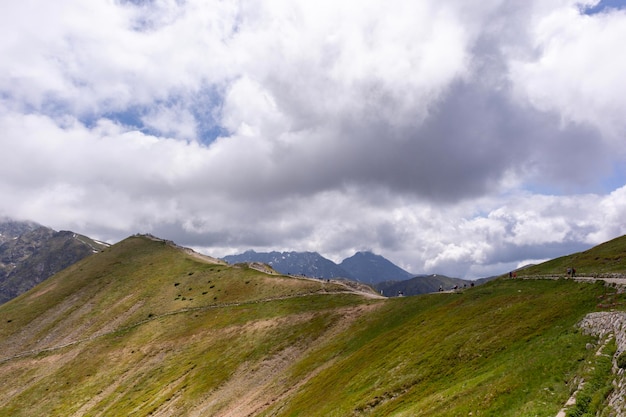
{"x":604,"y":6}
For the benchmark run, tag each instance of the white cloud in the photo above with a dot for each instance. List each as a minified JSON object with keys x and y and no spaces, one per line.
{"x":451,"y":138}
{"x":578,"y":68}
{"x":174,"y":121}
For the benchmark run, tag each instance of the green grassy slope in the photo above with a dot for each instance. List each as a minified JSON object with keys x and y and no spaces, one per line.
{"x":142,"y":316}
{"x":137,"y":279}
{"x":147,"y":329}
{"x":508,"y":348}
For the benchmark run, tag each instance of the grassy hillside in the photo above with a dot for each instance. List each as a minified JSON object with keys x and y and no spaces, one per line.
{"x":505,"y":349}
{"x":145,"y":328}
{"x":607,"y":258}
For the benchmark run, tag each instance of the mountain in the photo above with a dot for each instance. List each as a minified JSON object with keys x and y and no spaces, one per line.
{"x":421,"y":284}
{"x":11,"y":229}
{"x":364,"y":267}
{"x":148,"y":328}
{"x":371,"y":269}
{"x":310,"y":264}
{"x":30,"y":253}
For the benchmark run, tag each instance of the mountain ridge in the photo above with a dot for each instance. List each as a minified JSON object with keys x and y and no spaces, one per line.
{"x":31,"y":253}
{"x":310,"y":264}
{"x":364,"y":266}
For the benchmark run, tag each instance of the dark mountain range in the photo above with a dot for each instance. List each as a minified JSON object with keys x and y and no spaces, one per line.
{"x":310,"y":264}
{"x":364,"y":267}
{"x":30,"y":253}
{"x":372,"y":269}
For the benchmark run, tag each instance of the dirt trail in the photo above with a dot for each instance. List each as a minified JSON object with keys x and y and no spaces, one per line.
{"x":617,"y":281}
{"x":351,"y":286}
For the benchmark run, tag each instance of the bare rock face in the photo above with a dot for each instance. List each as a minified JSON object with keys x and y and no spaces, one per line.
{"x":31,"y":253}
{"x":11,"y":229}
{"x":611,"y":324}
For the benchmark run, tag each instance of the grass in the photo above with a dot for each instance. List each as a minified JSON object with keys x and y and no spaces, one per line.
{"x":502,"y":349}
{"x":598,"y":384}
{"x":133,"y":280}
{"x":151,"y":337}
{"x":188,"y":353}
{"x":296,"y":347}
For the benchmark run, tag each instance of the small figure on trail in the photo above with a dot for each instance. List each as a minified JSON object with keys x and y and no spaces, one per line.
{"x":511,"y":274}
{"x":569,"y":271}
{"x":573,"y":272}
{"x":440,"y":288}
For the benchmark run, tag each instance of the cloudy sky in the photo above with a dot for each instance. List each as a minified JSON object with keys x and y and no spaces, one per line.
{"x":463,"y":138}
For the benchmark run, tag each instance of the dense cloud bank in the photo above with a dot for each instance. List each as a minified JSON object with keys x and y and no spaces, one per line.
{"x":451,"y":137}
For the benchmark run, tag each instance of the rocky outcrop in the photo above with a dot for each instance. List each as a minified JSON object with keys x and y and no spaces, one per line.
{"x":604,"y":325}
{"x":35,"y":255}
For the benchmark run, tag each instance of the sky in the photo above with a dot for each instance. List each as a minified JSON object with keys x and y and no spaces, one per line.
{"x":452,"y":137}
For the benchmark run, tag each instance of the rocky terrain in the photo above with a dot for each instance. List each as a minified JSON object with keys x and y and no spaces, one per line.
{"x":607,"y":325}
{"x":31,"y":253}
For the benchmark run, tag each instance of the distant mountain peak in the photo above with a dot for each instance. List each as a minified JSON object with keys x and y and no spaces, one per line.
{"x":310,"y":264}
{"x":364,"y":266}
{"x":371,"y":268}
